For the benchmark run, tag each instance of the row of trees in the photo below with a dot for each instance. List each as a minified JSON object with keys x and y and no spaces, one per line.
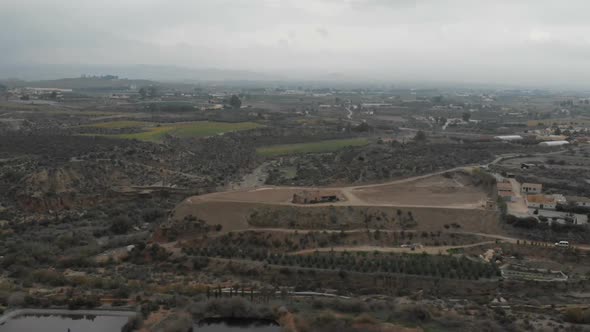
{"x":439,"y":266}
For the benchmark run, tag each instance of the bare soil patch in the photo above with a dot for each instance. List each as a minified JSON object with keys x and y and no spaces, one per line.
{"x":454,"y":190}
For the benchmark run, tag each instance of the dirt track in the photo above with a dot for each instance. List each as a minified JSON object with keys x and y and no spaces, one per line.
{"x":428,"y":250}
{"x":432,"y":190}
{"x":504,"y":238}
{"x":435,"y":200}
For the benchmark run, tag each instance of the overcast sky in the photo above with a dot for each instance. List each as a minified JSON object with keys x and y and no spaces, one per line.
{"x":530,"y":41}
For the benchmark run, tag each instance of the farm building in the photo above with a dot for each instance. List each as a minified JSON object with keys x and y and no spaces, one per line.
{"x":554,"y":143}
{"x":548,"y":202}
{"x":506,"y":196}
{"x":579,"y":201}
{"x":541,"y":202}
{"x":314,"y":197}
{"x":508,"y":137}
{"x":551,"y":138}
{"x":505,"y":191}
{"x":531,"y":188}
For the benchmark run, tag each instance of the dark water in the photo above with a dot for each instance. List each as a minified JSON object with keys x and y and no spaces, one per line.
{"x":61,"y":323}
{"x":236,"y":325}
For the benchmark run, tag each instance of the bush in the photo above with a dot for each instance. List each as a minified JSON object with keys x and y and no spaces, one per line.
{"x":528,"y":222}
{"x":577,"y":316}
{"x":416,"y":314}
{"x":121,"y":225}
{"x":16,"y":299}
{"x":152,"y":215}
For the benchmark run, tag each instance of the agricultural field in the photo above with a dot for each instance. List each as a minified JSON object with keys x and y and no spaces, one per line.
{"x":154,"y":132}
{"x":313,"y":147}
{"x":284,"y":199}
{"x":562,"y":121}
{"x":407,"y":204}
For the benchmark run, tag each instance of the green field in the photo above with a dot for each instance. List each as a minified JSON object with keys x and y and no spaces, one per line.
{"x":313,"y":147}
{"x":155,"y":132}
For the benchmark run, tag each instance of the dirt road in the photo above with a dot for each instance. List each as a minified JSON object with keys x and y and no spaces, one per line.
{"x":282,"y":195}
{"x":504,"y":238}
{"x":419,"y":250}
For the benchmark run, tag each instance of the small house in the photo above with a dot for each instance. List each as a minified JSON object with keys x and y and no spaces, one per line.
{"x":541,"y":202}
{"x":531,"y":188}
{"x":579,"y":201}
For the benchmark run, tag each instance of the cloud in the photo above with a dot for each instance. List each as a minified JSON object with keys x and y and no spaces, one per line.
{"x":322,"y":32}
{"x":506,"y":40}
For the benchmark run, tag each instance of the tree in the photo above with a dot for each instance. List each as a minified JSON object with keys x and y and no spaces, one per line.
{"x":420,"y":136}
{"x":121,"y":225}
{"x":466,"y":116}
{"x":235,"y":102}
{"x":3,"y":88}
{"x":152,"y":91}
{"x":436,"y":99}
{"x":362,"y":127}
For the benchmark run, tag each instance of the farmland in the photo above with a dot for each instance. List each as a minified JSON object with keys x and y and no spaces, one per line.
{"x":119,"y":124}
{"x":367,"y":197}
{"x":154,"y":132}
{"x":313,"y":147}
{"x":416,"y":204}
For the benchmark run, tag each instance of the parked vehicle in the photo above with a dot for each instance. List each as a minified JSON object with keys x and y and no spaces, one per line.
{"x":562,"y":244}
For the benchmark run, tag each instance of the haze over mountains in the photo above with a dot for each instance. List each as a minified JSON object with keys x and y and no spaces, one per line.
{"x":147,"y":72}
{"x":508,"y":42}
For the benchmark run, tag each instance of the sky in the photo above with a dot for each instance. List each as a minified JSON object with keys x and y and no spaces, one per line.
{"x":520,"y":41}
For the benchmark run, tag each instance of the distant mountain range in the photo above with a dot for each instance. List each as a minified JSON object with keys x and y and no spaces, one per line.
{"x":34,"y":72}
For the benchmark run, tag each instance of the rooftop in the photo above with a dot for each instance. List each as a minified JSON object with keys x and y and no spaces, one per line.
{"x":540,"y":199}
{"x":504,"y":186}
{"x":532,"y":185}
{"x":578,"y":199}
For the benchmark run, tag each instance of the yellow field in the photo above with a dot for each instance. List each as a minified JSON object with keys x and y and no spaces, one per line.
{"x":155,"y":131}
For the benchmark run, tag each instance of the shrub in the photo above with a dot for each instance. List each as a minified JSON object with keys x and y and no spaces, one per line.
{"x":121,"y":225}
{"x":577,"y":316}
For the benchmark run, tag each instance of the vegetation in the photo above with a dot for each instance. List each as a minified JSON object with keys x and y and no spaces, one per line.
{"x":577,"y":315}
{"x":313,"y":147}
{"x":425,"y":265}
{"x":235,"y":102}
{"x":119,"y":124}
{"x":87,"y":220}
{"x":182,"y":130}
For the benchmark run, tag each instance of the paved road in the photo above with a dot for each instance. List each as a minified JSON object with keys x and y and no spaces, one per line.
{"x":349,"y":115}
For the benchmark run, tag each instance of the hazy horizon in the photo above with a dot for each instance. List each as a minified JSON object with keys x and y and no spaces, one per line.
{"x":537,"y":43}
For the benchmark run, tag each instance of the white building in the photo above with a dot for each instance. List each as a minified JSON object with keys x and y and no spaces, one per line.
{"x":579,"y":201}
{"x":554,"y":143}
{"x":508,"y":137}
{"x":531,"y":188}
{"x":541,"y":202}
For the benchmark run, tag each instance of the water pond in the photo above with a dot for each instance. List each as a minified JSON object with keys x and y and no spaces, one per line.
{"x":63,"y":322}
